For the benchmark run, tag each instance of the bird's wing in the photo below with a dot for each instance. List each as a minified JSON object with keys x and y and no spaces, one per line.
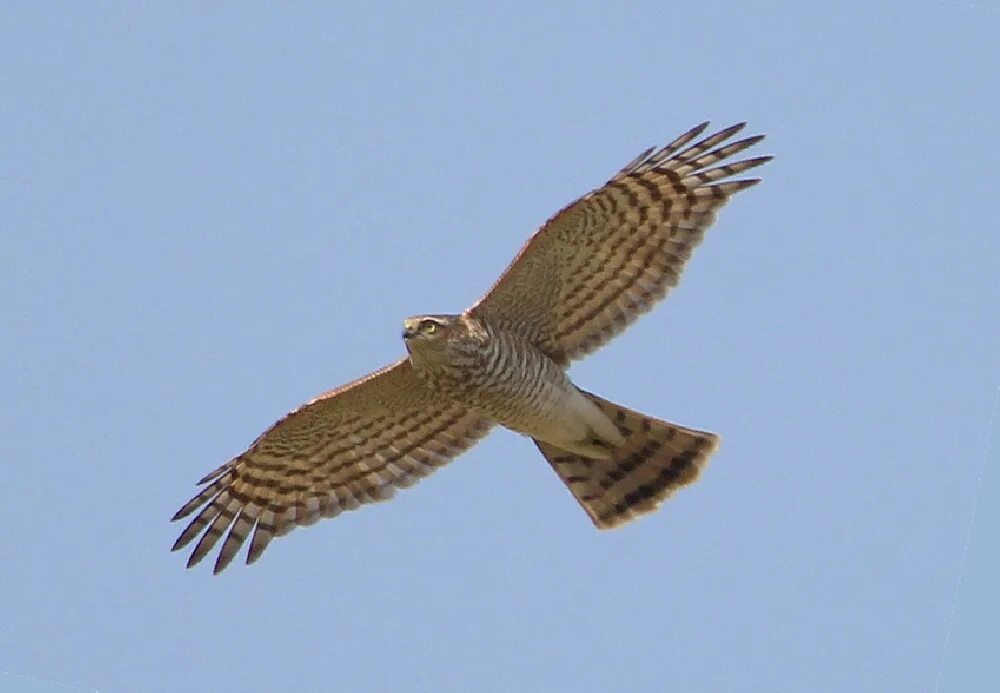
{"x":353,"y":445}
{"x":605,"y":259}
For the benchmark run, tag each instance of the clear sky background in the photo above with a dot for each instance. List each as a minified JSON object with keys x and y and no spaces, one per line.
{"x":209,"y":215}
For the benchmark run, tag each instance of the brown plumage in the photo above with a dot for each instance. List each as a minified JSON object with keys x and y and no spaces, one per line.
{"x":656,"y":459}
{"x":588,"y":273}
{"x":350,"y":446}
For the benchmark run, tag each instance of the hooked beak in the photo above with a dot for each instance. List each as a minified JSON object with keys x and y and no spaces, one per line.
{"x":410,"y":327}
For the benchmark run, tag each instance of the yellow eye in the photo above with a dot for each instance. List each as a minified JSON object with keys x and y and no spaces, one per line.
{"x":430,"y":327}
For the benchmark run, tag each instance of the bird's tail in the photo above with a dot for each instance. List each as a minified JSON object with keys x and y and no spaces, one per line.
{"x":656,"y":458}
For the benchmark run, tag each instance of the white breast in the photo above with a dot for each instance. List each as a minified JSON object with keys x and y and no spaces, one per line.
{"x":575,"y":424}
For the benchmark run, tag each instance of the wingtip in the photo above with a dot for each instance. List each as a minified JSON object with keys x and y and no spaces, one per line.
{"x":758,"y":161}
{"x":188,"y":508}
{"x":219,"y":566}
{"x":255,"y":551}
{"x":740,"y":185}
{"x":726,"y":133}
{"x":699,"y":128}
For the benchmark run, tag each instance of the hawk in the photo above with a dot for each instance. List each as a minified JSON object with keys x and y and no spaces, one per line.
{"x":582,"y":278}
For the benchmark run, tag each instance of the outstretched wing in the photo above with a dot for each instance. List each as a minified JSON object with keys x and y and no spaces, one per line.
{"x":605,"y":259}
{"x":353,"y":445}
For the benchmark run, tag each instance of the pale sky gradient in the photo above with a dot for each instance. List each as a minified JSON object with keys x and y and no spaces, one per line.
{"x":210,"y":215}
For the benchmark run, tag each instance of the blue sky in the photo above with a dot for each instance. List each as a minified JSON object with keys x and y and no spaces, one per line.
{"x":208,"y":216}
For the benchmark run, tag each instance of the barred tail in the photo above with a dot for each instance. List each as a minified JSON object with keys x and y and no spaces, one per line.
{"x":656,"y":458}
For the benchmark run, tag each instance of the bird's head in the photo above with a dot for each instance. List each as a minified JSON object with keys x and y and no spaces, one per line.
{"x":442,"y":340}
{"x":425,"y":329}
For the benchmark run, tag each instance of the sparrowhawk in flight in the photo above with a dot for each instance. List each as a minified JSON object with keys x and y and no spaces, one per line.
{"x":581,"y":279}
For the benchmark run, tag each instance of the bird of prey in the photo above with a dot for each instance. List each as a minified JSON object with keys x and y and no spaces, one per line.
{"x":581,"y":279}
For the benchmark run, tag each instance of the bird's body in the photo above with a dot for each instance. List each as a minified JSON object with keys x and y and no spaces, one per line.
{"x":582,"y":278}
{"x":502,"y":376}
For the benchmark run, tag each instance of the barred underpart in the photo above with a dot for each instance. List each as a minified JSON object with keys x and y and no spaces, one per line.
{"x":513,"y":382}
